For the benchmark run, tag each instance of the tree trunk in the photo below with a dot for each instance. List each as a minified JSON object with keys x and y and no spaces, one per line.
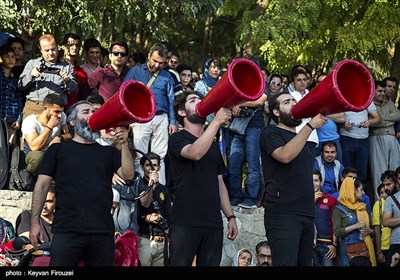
{"x":395,"y":69}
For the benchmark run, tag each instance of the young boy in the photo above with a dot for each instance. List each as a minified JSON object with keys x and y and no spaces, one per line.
{"x":11,"y":102}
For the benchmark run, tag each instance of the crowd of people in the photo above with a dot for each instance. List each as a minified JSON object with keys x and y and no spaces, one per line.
{"x":170,"y":180}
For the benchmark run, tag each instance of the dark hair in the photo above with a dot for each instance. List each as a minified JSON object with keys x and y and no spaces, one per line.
{"x":119,"y":43}
{"x":104,"y":52}
{"x":360,"y":261}
{"x":70,"y":35}
{"x":91,"y":43}
{"x":378,"y":190}
{"x":273,"y":103}
{"x":216,"y":62}
{"x":264,"y":243}
{"x":392,"y":79}
{"x":349,"y":170}
{"x":13,"y":40}
{"x":6,"y":50}
{"x":96,"y":99}
{"x":182,"y":67}
{"x":317,"y":172}
{"x":297,"y":72}
{"x":275,"y":75}
{"x":138,"y":57}
{"x":379,"y":83}
{"x":151,"y":156}
{"x":180,"y":103}
{"x":389,"y":175}
{"x":329,"y":144}
{"x":53,"y":98}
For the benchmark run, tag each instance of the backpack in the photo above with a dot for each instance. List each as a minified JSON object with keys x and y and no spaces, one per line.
{"x":20,"y":178}
{"x":4,"y":154}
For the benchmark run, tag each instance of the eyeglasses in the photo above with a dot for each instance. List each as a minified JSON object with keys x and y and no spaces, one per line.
{"x":275,"y":84}
{"x":263,"y":256}
{"x":173,"y":62}
{"x":119,"y":53}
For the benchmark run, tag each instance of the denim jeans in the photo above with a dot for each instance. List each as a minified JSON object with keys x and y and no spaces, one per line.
{"x":319,"y":253}
{"x":245,"y":148}
{"x":355,"y":154}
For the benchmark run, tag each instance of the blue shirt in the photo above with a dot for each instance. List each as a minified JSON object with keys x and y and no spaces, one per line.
{"x":162,"y":88}
{"x":329,"y":186}
{"x":11,"y":100}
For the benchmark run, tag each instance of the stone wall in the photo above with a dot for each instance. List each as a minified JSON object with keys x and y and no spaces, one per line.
{"x":14,"y":202}
{"x":250,"y":223}
{"x":251,"y":231}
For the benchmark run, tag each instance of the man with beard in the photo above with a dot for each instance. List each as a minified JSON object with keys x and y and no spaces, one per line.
{"x":390,"y":217}
{"x":287,"y":163}
{"x":39,"y":131}
{"x":196,"y":227}
{"x":263,"y":254}
{"x":82,"y":169}
{"x":153,"y":135}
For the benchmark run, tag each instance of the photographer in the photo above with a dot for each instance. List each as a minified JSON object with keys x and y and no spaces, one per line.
{"x":45,"y":75}
{"x":153,"y":221}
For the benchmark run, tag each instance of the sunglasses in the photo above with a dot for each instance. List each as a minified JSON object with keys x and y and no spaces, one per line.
{"x":119,"y":53}
{"x":275,"y":84}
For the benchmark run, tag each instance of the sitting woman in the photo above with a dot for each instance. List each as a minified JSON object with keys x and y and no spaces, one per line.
{"x":243,"y":258}
{"x":351,"y":223}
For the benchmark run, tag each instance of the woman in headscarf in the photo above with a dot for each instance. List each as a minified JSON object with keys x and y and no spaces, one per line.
{"x":243,"y":258}
{"x":351,"y":222}
{"x":211,"y":74}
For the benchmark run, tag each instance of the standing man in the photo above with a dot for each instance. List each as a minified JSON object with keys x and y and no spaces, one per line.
{"x":106,"y":81}
{"x":71,"y":46}
{"x":45,"y":75}
{"x":287,"y":163}
{"x":82,"y":169}
{"x":200,"y":192}
{"x":155,"y":133}
{"x":92,"y":51}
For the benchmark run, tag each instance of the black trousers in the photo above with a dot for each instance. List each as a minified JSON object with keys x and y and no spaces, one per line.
{"x":70,"y":249}
{"x":186,"y":242}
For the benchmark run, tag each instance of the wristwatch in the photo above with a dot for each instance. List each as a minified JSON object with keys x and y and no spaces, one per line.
{"x":231,"y":217}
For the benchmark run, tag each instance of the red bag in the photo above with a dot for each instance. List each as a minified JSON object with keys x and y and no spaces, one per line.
{"x":126,"y":249}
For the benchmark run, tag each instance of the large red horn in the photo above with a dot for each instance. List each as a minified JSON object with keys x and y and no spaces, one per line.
{"x":243,"y":81}
{"x":349,"y":87}
{"x":133,"y":102}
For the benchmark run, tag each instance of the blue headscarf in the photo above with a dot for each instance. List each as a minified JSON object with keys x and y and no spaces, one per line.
{"x":210,"y":81}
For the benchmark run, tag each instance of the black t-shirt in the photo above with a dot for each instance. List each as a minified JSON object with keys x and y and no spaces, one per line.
{"x":25,"y":225}
{"x":288,"y":187}
{"x":196,"y":187}
{"x":160,"y":204}
{"x":83,"y":175}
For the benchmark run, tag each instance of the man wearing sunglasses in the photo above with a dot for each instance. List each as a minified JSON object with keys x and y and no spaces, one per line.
{"x":106,"y":81}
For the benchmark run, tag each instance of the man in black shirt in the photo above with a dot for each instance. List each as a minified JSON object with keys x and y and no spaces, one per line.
{"x":82,"y":169}
{"x":200,"y":194}
{"x":287,"y":164}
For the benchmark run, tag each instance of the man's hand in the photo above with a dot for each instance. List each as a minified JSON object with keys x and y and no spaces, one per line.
{"x":223,"y":116}
{"x":53,"y":122}
{"x":64,"y":75}
{"x":35,"y":72}
{"x":121,"y":134}
{"x":36,"y":234}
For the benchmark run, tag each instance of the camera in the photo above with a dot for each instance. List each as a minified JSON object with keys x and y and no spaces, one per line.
{"x":245,"y":112}
{"x":43,"y":68}
{"x":163,"y":223}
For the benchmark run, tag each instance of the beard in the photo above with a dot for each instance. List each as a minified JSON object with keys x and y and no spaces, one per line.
{"x":194,"y":118}
{"x":286,"y":119}
{"x":82,"y":129}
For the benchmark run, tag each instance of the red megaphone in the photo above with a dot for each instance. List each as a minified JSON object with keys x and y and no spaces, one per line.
{"x":133,"y":102}
{"x":349,"y":87}
{"x":243,"y":81}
